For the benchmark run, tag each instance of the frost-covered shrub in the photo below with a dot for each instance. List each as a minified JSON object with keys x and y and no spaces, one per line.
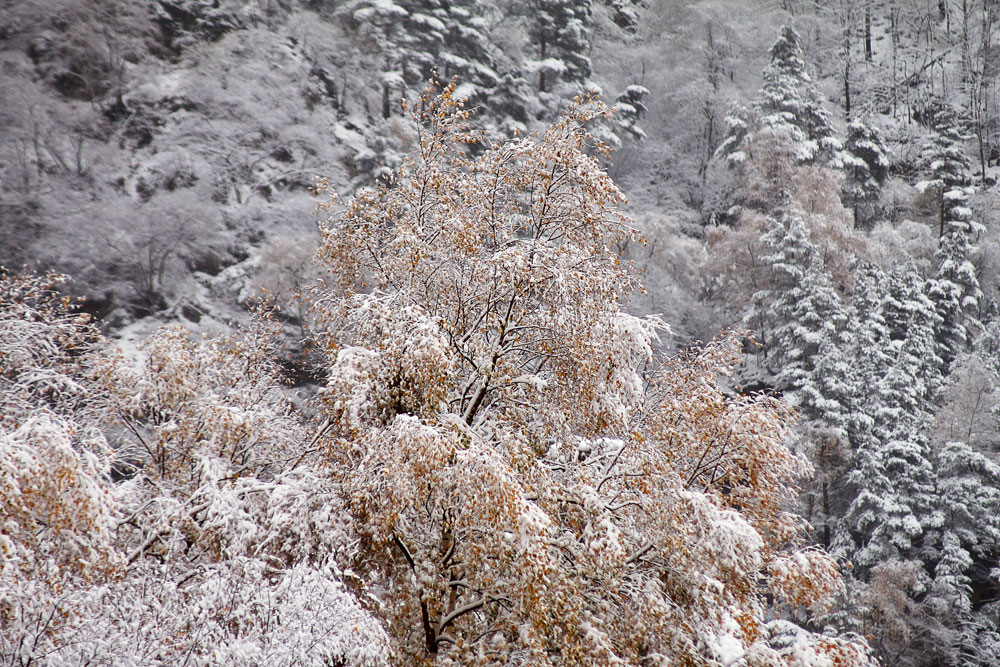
{"x":164,"y":504}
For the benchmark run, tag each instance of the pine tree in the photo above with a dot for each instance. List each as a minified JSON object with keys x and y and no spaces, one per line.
{"x":963,"y":545}
{"x":803,"y":310}
{"x":892,"y":475}
{"x":955,"y":289}
{"x":912,"y":320}
{"x":866,"y":164}
{"x":789,"y":104}
{"x":948,"y":168}
{"x":560,"y":30}
{"x":823,"y":384}
{"x":893,"y":485}
{"x":630,"y":107}
{"x":420,"y":39}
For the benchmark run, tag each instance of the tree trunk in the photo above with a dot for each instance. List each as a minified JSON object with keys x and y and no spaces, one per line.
{"x":541,"y":72}
{"x":980,"y":132}
{"x":847,"y":85}
{"x":868,"y":31}
{"x":826,"y":515}
{"x":892,"y":30}
{"x":941,"y":216}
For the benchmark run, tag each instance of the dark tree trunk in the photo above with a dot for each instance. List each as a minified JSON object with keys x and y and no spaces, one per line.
{"x":826,"y":515}
{"x":541,"y":73}
{"x":868,"y":31}
{"x":847,"y":86}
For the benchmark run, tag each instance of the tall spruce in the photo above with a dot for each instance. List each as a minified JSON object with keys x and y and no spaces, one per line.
{"x":866,"y":166}
{"x":955,"y":289}
{"x":788,"y":101}
{"x":560,"y":31}
{"x":802,"y":308}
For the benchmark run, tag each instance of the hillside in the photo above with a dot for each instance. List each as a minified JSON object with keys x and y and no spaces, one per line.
{"x":822,"y":176}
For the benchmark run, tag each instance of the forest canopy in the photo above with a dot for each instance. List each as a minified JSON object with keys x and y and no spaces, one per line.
{"x":461,"y":430}
{"x":503,"y":465}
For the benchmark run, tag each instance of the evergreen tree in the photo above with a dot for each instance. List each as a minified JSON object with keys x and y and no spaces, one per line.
{"x":739,"y":124}
{"x":630,"y":107}
{"x":912,"y":320}
{"x":869,"y":354}
{"x":625,"y":13}
{"x":419,"y":39}
{"x":955,"y":291}
{"x":892,"y":484}
{"x":866,"y":165}
{"x":892,"y":478}
{"x":803,"y":309}
{"x":785,"y":130}
{"x":924,"y":515}
{"x":821,"y":380}
{"x":788,"y":101}
{"x":955,"y":288}
{"x":947,"y":166}
{"x":900,"y":495}
{"x":963,"y":546}
{"x":560,"y":30}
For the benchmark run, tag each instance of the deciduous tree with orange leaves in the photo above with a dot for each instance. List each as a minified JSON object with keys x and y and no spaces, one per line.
{"x":533,"y":480}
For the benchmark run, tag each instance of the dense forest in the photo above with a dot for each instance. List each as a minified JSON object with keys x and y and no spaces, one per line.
{"x":481,"y":332}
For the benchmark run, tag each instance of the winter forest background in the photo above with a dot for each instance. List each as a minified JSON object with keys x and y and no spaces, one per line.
{"x":308,"y":360}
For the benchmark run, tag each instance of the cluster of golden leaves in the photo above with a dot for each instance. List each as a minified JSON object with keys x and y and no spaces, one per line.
{"x":56,"y":516}
{"x":533,"y":482}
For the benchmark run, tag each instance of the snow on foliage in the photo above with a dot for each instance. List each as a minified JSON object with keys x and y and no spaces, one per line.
{"x":220,"y":547}
{"x":788,"y":102}
{"x":532,"y":480}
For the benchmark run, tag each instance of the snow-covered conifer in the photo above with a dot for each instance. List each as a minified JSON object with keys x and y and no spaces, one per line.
{"x":804,"y":309}
{"x":866,"y":164}
{"x":630,"y":107}
{"x":955,"y":288}
{"x":790,"y":101}
{"x":560,"y":31}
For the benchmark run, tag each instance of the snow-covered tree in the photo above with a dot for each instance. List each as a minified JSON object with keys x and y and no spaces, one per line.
{"x":58,"y":520}
{"x":962,"y":547}
{"x":955,"y":288}
{"x":625,"y":13}
{"x":909,"y":494}
{"x":802,"y":309}
{"x":947,"y":166}
{"x":532,"y":481}
{"x":560,"y":31}
{"x":788,"y":102}
{"x":784,"y":136}
{"x":808,"y":343}
{"x":866,"y":164}
{"x":630,"y":107}
{"x":221,"y":540}
{"x":417,"y":39}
